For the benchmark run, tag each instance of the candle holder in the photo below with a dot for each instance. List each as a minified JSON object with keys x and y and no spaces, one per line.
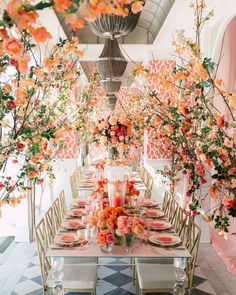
{"x":116,"y":193}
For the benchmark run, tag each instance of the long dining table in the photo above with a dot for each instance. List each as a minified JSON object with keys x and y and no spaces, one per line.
{"x":142,"y":248}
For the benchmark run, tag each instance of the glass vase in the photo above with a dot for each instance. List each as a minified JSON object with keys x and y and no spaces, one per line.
{"x":116,"y":193}
{"x":106,"y":248}
{"x":129,"y":242}
{"x":118,"y":240}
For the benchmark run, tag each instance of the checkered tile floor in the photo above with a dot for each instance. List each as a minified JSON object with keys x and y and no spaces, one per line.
{"x":112,"y":279}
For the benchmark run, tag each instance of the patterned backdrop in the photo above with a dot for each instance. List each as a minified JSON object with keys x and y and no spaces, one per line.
{"x":155,"y":149}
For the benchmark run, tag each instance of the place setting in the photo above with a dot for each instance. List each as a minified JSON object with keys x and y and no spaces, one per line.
{"x":76,"y":213}
{"x":148,"y":203}
{"x":165,"y":240}
{"x":67,"y":241}
{"x":154,"y":213}
{"x":72,"y":225}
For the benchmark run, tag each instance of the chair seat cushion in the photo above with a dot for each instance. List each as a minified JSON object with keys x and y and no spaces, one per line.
{"x":76,"y":277}
{"x":156,"y":276}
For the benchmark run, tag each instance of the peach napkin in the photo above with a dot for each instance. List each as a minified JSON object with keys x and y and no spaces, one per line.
{"x":164,"y":239}
{"x":74,"y":223}
{"x":151,"y":213}
{"x":68,"y":238}
{"x":157,"y":224}
{"x":77,"y":211}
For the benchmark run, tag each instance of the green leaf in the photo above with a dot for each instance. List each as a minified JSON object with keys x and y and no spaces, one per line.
{"x":39,"y":6}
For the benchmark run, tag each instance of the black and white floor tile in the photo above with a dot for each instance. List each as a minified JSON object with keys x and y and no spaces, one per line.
{"x":113,"y":279}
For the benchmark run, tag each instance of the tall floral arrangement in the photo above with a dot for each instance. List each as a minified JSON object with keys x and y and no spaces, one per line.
{"x":36,"y":94}
{"x":200,"y":138}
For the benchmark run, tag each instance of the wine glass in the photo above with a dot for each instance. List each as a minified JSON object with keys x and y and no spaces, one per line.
{"x":57,"y":273}
{"x":148,"y":224}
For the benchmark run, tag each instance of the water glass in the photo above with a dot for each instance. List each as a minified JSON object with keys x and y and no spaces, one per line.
{"x":87,"y":233}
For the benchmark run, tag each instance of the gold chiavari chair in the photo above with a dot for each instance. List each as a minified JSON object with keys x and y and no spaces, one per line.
{"x":160,"y":277}
{"x":74,"y":185}
{"x":149,"y":186}
{"x":77,"y":174}
{"x":50,"y":225}
{"x":57,"y":213}
{"x":62,"y":201}
{"x":75,"y":278}
{"x":166,"y":201}
{"x":142,"y":173}
{"x":145,"y":177}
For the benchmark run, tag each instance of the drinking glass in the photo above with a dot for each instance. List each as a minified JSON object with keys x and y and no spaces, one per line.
{"x":148,"y":224}
{"x":85,"y":219}
{"x":88,"y":208}
{"x":87,"y":233}
{"x":57,"y":275}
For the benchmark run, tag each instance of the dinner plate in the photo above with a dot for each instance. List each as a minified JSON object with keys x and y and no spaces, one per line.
{"x":149,"y":203}
{"x":165,"y":240}
{"x":161,"y":225}
{"x":73,"y":224}
{"x":67,"y":240}
{"x":77,"y":212}
{"x":154,"y":213}
{"x":80,"y":203}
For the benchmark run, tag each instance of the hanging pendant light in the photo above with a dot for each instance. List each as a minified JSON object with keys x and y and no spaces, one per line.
{"x":111,"y":101}
{"x":110,"y":85}
{"x":111,"y":64}
{"x":114,"y":26}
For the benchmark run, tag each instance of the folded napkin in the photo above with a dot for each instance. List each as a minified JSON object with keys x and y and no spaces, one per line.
{"x":164,"y":239}
{"x":81,"y":202}
{"x":158,"y":224}
{"x":74,"y":223}
{"x":67,"y":238}
{"x":77,"y":211}
{"x":151,"y":213}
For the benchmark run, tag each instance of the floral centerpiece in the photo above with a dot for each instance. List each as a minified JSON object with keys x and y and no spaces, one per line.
{"x":128,"y":227}
{"x":106,"y":221}
{"x":113,"y":132}
{"x":113,"y":225}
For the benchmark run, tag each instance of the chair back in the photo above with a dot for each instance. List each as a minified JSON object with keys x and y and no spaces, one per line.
{"x":165,"y":202}
{"x":62,"y":201}
{"x":50,"y":225}
{"x":57,"y":213}
{"x":74,"y":184}
{"x":77,"y":174}
{"x":42,"y":245}
{"x":191,"y":235}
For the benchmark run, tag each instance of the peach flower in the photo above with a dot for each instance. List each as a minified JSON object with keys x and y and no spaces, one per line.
{"x":228,"y":143}
{"x":13,"y":47}
{"x":113,"y":120}
{"x":103,"y":139}
{"x":23,"y":64}
{"x":62,"y":5}
{"x":228,"y":202}
{"x":40,"y":34}
{"x":32,"y":174}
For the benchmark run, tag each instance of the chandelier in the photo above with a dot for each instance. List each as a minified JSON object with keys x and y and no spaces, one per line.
{"x":114,"y":26}
{"x":111,"y":64}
